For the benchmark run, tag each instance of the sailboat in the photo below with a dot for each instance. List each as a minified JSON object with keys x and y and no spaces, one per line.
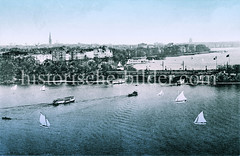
{"x":119,"y":64}
{"x":200,"y":120}
{"x":14,"y":87}
{"x":44,"y":121}
{"x":160,"y":93}
{"x":43,"y":88}
{"x":181,"y":98}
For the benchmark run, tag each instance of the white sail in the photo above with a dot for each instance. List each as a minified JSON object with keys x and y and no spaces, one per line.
{"x":161,"y":93}
{"x":43,"y":88}
{"x":196,"y":120}
{"x":43,"y":121}
{"x":119,"y":64}
{"x":181,"y":98}
{"x":47,"y":123}
{"x":14,"y":87}
{"x":200,"y":119}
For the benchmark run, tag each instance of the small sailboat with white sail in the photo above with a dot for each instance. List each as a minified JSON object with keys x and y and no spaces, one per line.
{"x":14,"y":87}
{"x":44,"y":121}
{"x":181,"y":98}
{"x":200,"y":120}
{"x":119,"y":66}
{"x":160,"y":93}
{"x":43,"y":88}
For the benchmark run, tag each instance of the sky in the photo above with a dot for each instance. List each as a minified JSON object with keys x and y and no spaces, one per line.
{"x":118,"y":21}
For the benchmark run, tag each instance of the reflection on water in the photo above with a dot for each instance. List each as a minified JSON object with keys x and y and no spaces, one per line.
{"x":103,"y":120}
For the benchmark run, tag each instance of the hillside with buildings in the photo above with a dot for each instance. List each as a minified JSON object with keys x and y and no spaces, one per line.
{"x":82,"y":58}
{"x":118,"y":53}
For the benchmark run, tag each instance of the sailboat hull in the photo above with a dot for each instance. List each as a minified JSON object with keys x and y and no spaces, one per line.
{"x":181,"y":101}
{"x":200,"y":123}
{"x":44,"y":126}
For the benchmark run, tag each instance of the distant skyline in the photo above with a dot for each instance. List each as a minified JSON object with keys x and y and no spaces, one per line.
{"x":118,"y":21}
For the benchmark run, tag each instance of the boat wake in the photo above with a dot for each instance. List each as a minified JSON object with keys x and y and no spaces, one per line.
{"x":102,"y":98}
{"x":40,"y":105}
{"x":31,"y":106}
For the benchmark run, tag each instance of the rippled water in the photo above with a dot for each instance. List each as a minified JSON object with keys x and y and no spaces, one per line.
{"x":103,"y":120}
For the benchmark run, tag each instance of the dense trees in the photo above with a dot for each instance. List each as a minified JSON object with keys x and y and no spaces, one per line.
{"x":15,"y":68}
{"x":201,"y":48}
{"x":122,"y":55}
{"x":12,"y":68}
{"x":7,"y":70}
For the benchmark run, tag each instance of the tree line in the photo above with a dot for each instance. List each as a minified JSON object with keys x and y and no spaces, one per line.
{"x":13,"y":69}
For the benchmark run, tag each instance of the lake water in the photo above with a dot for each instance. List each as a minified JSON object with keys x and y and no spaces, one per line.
{"x":103,"y":120}
{"x":197,"y":62}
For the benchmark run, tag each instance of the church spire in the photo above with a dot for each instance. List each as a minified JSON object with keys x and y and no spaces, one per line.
{"x":50,"y":38}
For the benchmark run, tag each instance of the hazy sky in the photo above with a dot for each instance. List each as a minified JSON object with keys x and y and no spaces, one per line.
{"x":118,"y":21}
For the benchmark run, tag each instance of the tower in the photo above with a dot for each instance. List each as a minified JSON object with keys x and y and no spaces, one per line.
{"x":190,"y":40}
{"x":50,"y":38}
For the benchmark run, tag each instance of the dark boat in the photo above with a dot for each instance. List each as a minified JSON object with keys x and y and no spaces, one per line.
{"x":133,"y":94}
{"x":65,"y":100}
{"x":6,"y":118}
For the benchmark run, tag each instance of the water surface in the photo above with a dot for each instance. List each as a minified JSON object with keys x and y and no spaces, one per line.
{"x":103,"y":120}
